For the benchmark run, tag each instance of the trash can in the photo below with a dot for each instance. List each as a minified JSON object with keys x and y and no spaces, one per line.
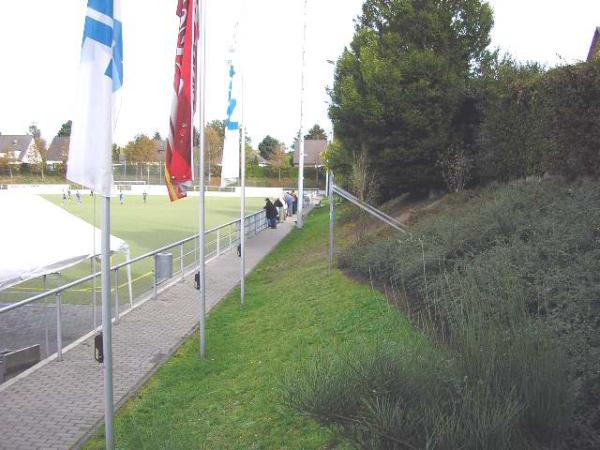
{"x":163,"y":266}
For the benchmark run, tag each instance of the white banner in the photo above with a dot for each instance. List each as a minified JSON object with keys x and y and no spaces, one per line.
{"x":230,"y":169}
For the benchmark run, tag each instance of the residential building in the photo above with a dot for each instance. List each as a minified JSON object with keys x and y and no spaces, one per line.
{"x":594,"y":53}
{"x":19,"y":148}
{"x":313,"y":149}
{"x":58,"y":152}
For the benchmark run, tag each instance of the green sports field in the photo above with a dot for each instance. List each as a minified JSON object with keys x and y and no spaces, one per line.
{"x":145,"y":227}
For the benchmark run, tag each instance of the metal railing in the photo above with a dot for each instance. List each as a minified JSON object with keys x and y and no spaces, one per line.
{"x":218,"y":241}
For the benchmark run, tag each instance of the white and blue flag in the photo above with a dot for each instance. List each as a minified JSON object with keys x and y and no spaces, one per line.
{"x":101,"y":78}
{"x":230,"y":168}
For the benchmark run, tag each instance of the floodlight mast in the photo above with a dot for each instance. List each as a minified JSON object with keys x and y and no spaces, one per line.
{"x":300,"y":218}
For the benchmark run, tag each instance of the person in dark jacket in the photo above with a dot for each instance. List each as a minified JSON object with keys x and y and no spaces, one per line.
{"x":295,"y":197}
{"x":271,"y":213}
{"x":279,"y":206}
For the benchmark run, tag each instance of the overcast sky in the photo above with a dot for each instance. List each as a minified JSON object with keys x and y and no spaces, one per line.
{"x":40,"y":44}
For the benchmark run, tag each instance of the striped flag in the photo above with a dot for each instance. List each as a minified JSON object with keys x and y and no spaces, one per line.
{"x":101,"y":79}
{"x":179,"y":158}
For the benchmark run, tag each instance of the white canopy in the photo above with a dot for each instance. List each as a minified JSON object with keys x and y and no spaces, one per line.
{"x":38,"y":238}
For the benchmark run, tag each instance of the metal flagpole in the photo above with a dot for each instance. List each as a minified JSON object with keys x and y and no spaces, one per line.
{"x":243,"y":205}
{"x":242,"y":162}
{"x":107,"y":325}
{"x":94,"y":312}
{"x":202,"y":226}
{"x":300,"y":218}
{"x":331,"y":216}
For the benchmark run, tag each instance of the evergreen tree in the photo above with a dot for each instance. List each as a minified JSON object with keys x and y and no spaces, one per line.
{"x":400,"y":89}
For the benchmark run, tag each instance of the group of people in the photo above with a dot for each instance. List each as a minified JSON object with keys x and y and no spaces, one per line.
{"x":282,"y":208}
{"x":66,"y":196}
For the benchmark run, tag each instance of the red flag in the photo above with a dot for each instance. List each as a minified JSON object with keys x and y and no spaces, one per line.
{"x":179,"y":172}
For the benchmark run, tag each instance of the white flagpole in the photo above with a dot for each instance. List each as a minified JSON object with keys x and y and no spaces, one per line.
{"x":300,"y":218}
{"x":107,"y":325}
{"x":202,"y":227}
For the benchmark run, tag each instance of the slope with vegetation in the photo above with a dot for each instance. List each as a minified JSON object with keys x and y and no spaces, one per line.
{"x":505,"y":282}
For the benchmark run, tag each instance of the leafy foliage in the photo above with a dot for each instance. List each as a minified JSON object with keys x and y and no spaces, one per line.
{"x":542,"y":122}
{"x":279,"y":160}
{"x":35,"y":131}
{"x":65,"y":129}
{"x":316,"y":133}
{"x":400,"y":88}
{"x":510,"y":275}
{"x":267,"y":146}
{"x":141,"y":150}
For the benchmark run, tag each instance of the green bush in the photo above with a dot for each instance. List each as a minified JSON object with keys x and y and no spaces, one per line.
{"x":538,"y":122}
{"x":508,"y":284}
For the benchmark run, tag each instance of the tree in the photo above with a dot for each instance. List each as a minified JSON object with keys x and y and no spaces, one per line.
{"x":279,"y":160}
{"x":316,"y":133}
{"x":65,"y":129}
{"x":35,"y":131}
{"x":116,"y":153}
{"x":214,"y":141}
{"x":157,"y":136}
{"x":41,"y":155}
{"x":141,"y":150}
{"x":6,"y":161}
{"x":400,"y":90}
{"x":268,"y":146}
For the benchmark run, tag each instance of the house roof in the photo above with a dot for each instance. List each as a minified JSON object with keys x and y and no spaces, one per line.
{"x":15,"y":143}
{"x":312,"y":152}
{"x":59,"y":149}
{"x":594,"y":52}
{"x":161,"y":149}
{"x":261,"y":160}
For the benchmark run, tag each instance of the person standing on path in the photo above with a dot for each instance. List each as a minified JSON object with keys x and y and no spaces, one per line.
{"x":295,"y":197}
{"x":271,"y":213}
{"x":279,"y":206}
{"x":290,"y":204}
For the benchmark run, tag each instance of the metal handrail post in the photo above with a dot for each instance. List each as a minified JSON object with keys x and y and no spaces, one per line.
{"x":218,"y":241}
{"x":46,"y":321}
{"x":181,"y":262}
{"x":155,"y":285}
{"x":116,"y":296}
{"x":59,"y":355}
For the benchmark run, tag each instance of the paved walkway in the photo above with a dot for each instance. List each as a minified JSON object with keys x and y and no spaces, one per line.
{"x":56,"y":406}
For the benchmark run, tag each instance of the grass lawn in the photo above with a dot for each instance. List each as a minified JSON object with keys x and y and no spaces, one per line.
{"x":145,"y":227}
{"x":233,"y":399}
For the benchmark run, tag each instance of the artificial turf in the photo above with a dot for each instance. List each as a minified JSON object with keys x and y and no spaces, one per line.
{"x":145,"y":227}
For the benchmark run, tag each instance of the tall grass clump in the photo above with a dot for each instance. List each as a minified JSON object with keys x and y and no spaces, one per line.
{"x":506,"y":284}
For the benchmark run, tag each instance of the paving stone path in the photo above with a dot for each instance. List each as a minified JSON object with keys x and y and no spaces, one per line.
{"x":57,"y":405}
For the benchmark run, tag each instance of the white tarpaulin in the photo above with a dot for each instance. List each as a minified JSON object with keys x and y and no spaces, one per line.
{"x":38,"y":238}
